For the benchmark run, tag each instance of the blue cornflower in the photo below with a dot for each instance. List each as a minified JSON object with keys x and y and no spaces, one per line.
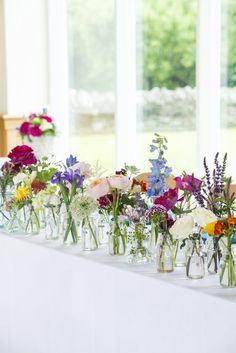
{"x":71,"y":161}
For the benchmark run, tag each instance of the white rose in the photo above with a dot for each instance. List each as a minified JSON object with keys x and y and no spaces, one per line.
{"x":98,"y":188}
{"x":182,"y":227}
{"x":120,"y":181}
{"x":202,"y":216}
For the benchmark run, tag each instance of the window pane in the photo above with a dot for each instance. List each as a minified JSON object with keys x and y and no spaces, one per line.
{"x":228,"y":84}
{"x":91,"y":46}
{"x":166,"y":103}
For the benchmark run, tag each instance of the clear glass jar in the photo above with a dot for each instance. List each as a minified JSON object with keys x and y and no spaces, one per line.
{"x":180,"y":253}
{"x":102,"y":230}
{"x":195,"y":268}
{"x":153,"y":239}
{"x":214,"y":255}
{"x":89,"y":240}
{"x":32,"y":222}
{"x":51,"y":229}
{"x":227,"y":272}
{"x":117,"y":239}
{"x":139,"y":253}
{"x":165,"y":254}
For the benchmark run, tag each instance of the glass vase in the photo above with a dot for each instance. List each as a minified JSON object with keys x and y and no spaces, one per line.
{"x":180,"y":254}
{"x":32,"y":222}
{"x":15,"y":222}
{"x":89,"y":240}
{"x":70,"y":235}
{"x":52,"y":224}
{"x":195,"y":261}
{"x":153,"y":239}
{"x":117,"y":239}
{"x":103,"y":231}
{"x":214,"y":255}
{"x":165,"y":254}
{"x":139,"y":253}
{"x":227,"y":271}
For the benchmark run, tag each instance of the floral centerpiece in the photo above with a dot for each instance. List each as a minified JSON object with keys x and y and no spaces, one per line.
{"x":38,"y":129}
{"x":113,"y":194}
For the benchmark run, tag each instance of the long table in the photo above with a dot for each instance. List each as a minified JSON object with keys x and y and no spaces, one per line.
{"x":56,"y":299}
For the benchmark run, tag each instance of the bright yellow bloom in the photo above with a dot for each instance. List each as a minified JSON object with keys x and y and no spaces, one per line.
{"x":21,"y":193}
{"x":210,"y":228}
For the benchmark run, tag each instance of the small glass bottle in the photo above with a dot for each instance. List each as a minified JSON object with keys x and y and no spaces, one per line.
{"x":195,"y":261}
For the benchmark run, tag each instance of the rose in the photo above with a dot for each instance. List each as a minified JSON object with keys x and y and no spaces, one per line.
{"x":182,"y":227}
{"x":202,"y":216}
{"x":24,"y":128}
{"x":121,"y":182}
{"x":22,"y":155}
{"x":98,"y":188}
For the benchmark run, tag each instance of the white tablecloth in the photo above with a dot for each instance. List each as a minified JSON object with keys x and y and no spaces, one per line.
{"x":55,"y":299}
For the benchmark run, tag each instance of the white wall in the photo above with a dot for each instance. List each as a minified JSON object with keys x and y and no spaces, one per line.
{"x":26,"y":55}
{"x":3,"y":97}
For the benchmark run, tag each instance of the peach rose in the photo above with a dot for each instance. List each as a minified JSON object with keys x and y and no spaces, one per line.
{"x":98,"y":188}
{"x":119,"y":181}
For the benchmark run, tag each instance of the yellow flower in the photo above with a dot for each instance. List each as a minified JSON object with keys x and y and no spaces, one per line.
{"x":210,"y":228}
{"x":21,"y":193}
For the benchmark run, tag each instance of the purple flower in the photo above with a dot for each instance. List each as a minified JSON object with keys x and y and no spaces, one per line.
{"x":71,"y":161}
{"x":72,"y":175}
{"x":155,"y":209}
{"x":56,"y":178}
{"x":168,"y":199}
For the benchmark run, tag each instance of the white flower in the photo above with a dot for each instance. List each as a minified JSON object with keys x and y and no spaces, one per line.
{"x":19,"y":178}
{"x":98,"y":188}
{"x":202,"y":216}
{"x":182,"y":227}
{"x":82,"y":206}
{"x":119,"y":181}
{"x":85,"y":169}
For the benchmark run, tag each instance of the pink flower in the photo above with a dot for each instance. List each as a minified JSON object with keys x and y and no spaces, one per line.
{"x":98,"y":188}
{"x":24,"y":128}
{"x":168,"y":199}
{"x":121,"y":182}
{"x":32,"y":116}
{"x":104,"y":201}
{"x":35,"y":131}
{"x":47,"y":118}
{"x":188,"y":182}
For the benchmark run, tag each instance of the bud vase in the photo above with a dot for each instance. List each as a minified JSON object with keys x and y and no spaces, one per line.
{"x":117,"y":239}
{"x":89,"y":240}
{"x":153,"y":239}
{"x":139,"y":254}
{"x":51,"y":229}
{"x":214,"y":255}
{"x":165,"y":254}
{"x":32,"y":223}
{"x":227,"y":271}
{"x":103,"y":231}
{"x":180,"y":253}
{"x":195,"y":261}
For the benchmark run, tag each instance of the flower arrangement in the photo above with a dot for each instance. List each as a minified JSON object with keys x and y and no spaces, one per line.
{"x":37,"y":125}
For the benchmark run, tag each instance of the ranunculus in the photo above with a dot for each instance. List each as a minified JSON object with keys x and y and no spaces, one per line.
{"x":182,"y":227}
{"x":202,"y":216}
{"x":22,"y":155}
{"x":98,"y":188}
{"x":168,"y":199}
{"x":35,"y":131}
{"x":24,"y":128}
{"x":121,"y":182}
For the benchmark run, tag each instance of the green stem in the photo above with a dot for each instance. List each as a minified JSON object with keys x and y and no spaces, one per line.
{"x":92,"y":231}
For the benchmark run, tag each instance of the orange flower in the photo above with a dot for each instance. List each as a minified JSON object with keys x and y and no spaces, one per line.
{"x":231,"y":221}
{"x":143,"y":186}
{"x":219,"y":228}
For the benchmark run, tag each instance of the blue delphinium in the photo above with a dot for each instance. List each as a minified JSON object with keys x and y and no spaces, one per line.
{"x":159,"y":170}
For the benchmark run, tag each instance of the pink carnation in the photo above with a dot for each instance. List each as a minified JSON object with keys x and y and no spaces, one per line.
{"x":35,"y":131}
{"x":24,"y":128}
{"x":47,"y":118}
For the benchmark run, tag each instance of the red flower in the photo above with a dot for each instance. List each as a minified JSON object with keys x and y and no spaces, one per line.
{"x":38,"y":185}
{"x":22,"y":155}
{"x":47,"y":118}
{"x":104,"y":201}
{"x":24,"y":128}
{"x":35,"y":131}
